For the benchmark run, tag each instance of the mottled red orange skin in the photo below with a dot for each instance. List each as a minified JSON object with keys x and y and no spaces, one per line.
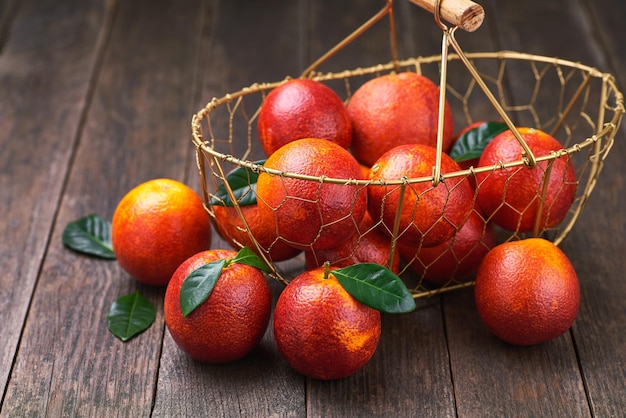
{"x":456,"y":259}
{"x":230,"y":227}
{"x":527,"y":291}
{"x":430,"y":214}
{"x":303,"y":108}
{"x":369,"y":245}
{"x":231,"y":322}
{"x":308,"y":214}
{"x":156,"y":226}
{"x":511,"y":197}
{"x":321,"y":330}
{"x":396,"y":109}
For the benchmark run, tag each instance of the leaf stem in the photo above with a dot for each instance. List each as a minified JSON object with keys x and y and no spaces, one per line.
{"x":326,"y":270}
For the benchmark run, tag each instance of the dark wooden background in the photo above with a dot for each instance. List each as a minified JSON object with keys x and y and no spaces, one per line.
{"x":96,"y":96}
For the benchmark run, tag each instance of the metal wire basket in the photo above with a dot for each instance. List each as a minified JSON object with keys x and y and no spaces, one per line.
{"x":577,"y":104}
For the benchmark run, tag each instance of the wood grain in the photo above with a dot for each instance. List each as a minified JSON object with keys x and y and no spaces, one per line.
{"x":598,"y":240}
{"x":591,"y":240}
{"x":44,"y":84}
{"x":97,"y":96}
{"x":262,"y":384}
{"x":132,"y":132}
{"x":462,"y":13}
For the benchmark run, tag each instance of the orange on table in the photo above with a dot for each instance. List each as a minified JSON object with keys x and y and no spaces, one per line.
{"x":368,"y":246}
{"x":396,"y":109}
{"x":430,"y":214}
{"x":303,"y":108}
{"x":156,"y":226}
{"x":527,"y":291}
{"x":231,"y":322}
{"x":307,"y":213}
{"x":230,"y":227}
{"x":512,"y":197}
{"x":456,"y":259}
{"x":321,"y":330}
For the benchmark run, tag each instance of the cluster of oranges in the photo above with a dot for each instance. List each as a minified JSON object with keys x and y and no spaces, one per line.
{"x":526,"y":290}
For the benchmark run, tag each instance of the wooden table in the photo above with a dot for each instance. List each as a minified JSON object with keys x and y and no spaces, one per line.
{"x":97,"y":96}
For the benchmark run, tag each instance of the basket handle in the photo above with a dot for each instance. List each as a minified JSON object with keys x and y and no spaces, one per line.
{"x":465,"y":14}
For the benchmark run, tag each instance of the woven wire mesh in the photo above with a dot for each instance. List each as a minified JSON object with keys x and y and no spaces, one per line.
{"x":577,"y":104}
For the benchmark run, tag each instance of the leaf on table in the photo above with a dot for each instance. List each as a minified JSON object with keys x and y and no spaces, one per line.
{"x":90,"y":235}
{"x":471,"y":144}
{"x":130,"y":315}
{"x":376,"y":287}
{"x":242,"y":182}
{"x":198,"y":285}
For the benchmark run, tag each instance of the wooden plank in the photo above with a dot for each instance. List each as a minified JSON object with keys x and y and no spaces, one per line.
{"x":248,"y":42}
{"x":409,"y":375}
{"x":260,"y":384}
{"x":8,"y":10}
{"x":543,"y":380}
{"x":598,"y":241}
{"x":44,"y":84}
{"x":492,"y":378}
{"x":69,"y":364}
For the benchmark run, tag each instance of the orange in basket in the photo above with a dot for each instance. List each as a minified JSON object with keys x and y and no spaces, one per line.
{"x":303,"y":108}
{"x":396,"y":109}
{"x":509,"y":196}
{"x":428,"y":215}
{"x":309,"y":214}
{"x":577,"y":104}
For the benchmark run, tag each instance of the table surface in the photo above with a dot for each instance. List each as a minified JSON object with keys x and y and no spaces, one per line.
{"x":97,"y":96}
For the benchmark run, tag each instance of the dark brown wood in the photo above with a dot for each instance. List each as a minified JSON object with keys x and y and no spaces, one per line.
{"x":96,"y":97}
{"x":133,"y":130}
{"x":598,"y":245}
{"x":602,"y":311}
{"x":541,"y":380}
{"x":44,"y":85}
{"x":262,"y":384}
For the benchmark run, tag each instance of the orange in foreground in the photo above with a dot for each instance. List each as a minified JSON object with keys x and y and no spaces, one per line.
{"x":396,"y":109}
{"x":230,"y":226}
{"x":527,"y":291}
{"x":512,"y":197}
{"x":231,"y":322}
{"x":430,"y":214}
{"x":156,"y":226}
{"x":303,"y":108}
{"x":321,"y":330}
{"x":307,"y":213}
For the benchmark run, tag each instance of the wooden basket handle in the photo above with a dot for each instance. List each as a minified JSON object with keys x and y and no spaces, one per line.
{"x":462,"y":13}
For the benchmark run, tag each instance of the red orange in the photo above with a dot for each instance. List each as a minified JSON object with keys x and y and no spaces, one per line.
{"x":527,"y":291}
{"x":306,"y":212}
{"x":156,"y":226}
{"x":231,"y":322}
{"x":396,"y":109}
{"x":321,"y":330}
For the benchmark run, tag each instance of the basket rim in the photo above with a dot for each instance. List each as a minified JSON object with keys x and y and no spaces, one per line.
{"x":608,"y":129}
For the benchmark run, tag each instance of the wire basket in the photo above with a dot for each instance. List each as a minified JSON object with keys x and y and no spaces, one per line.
{"x":577,"y":104}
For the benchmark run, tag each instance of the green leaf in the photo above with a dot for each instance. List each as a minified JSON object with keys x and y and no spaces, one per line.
{"x":242,"y":181}
{"x":248,"y":257}
{"x":130,"y":315}
{"x":199,"y":284}
{"x":471,"y":144}
{"x":90,"y":235}
{"x":376,"y":287}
